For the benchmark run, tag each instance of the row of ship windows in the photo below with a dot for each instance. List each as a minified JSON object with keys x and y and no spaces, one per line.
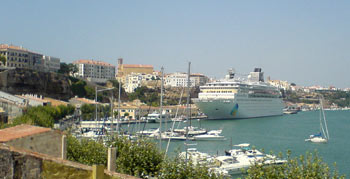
{"x":263,"y":96}
{"x":220,"y":88}
{"x":218,"y":92}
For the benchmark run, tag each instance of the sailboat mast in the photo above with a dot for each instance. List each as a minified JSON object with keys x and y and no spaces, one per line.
{"x":188,"y":103}
{"x":325,"y":122}
{"x":321,"y":111}
{"x":172,"y":128}
{"x":118,"y":119}
{"x":161,"y":110}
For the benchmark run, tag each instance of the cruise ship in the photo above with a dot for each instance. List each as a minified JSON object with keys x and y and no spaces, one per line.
{"x":234,"y":98}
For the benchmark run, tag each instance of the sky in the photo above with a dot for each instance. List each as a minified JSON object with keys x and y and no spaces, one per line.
{"x":304,"y":42}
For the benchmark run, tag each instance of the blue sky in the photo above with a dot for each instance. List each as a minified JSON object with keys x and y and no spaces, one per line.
{"x":305,"y":42}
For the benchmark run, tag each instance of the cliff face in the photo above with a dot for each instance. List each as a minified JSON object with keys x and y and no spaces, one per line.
{"x":24,"y":81}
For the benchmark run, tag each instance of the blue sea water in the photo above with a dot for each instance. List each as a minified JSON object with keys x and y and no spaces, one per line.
{"x":279,"y":134}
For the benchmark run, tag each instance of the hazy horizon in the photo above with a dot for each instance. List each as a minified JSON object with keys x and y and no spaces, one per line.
{"x":304,"y":42}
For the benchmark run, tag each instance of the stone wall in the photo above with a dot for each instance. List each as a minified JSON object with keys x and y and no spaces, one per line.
{"x":49,"y":143}
{"x":19,"y":163}
{"x":16,"y":165}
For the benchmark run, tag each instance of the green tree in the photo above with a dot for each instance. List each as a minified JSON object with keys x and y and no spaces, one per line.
{"x":72,"y":68}
{"x":3,"y":59}
{"x":67,"y":68}
{"x":90,"y":92}
{"x":308,"y":166}
{"x":87,"y":111}
{"x":64,"y":68}
{"x":86,"y":151}
{"x":78,"y":88}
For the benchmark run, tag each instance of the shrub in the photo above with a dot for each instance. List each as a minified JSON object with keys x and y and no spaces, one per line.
{"x":308,"y":166}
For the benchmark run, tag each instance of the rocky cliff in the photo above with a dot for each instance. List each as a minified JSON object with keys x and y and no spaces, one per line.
{"x":24,"y":81}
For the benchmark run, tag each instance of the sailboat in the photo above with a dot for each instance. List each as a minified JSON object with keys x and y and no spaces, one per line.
{"x":323,"y":135}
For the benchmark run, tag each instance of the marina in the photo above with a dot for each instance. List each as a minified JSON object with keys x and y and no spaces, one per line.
{"x":285,"y":132}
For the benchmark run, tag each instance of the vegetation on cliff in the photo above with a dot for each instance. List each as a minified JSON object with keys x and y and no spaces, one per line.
{"x":81,"y":89}
{"x":25,"y":81}
{"x":67,"y":68}
{"x":44,"y":116}
{"x":339,"y":98}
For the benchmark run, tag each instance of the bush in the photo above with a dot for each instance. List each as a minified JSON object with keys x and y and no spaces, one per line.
{"x":177,"y":168}
{"x":308,"y":166}
{"x":44,"y":116}
{"x":86,"y":151}
{"x":140,"y":158}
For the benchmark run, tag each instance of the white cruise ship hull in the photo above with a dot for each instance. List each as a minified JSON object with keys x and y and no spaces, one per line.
{"x":238,"y":108}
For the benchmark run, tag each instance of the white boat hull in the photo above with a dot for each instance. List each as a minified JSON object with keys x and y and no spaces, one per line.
{"x":317,"y":140}
{"x":242,"y":107}
{"x":208,"y":137}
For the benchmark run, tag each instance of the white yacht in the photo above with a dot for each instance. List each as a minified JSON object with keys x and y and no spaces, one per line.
{"x":150,"y":132}
{"x":196,"y":157}
{"x":155,"y":117}
{"x":323,"y":135}
{"x":211,"y":135}
{"x":245,"y":157}
{"x":236,"y":98}
{"x":192,"y":131}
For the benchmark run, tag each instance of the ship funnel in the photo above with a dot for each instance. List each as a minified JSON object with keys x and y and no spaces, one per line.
{"x":256,"y":76}
{"x":231,"y":73}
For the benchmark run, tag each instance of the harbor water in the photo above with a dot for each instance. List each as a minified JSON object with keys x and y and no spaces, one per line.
{"x":279,"y":134}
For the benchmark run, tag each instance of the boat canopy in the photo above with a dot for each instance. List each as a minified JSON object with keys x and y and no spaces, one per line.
{"x":318,"y":135}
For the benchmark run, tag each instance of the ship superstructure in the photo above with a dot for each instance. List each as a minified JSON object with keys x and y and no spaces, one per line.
{"x":235,"y":98}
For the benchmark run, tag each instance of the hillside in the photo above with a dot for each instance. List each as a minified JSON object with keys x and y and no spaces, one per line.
{"x":25,"y":81}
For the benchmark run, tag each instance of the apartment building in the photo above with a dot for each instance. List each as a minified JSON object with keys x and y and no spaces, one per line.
{"x":134,"y":80}
{"x":20,"y":57}
{"x":180,"y":79}
{"x":95,"y":71}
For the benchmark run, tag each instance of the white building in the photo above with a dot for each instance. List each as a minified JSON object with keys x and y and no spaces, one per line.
{"x":280,"y":84}
{"x":180,"y":79}
{"x":135,"y":80}
{"x":95,"y":71}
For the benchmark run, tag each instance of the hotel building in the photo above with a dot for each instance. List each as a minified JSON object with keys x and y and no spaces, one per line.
{"x":95,"y":71}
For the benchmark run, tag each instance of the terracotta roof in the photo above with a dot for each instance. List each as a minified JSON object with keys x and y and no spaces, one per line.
{"x":92,"y":62}
{"x":6,"y":46}
{"x":55,"y":102}
{"x":85,"y":100}
{"x":20,"y":131}
{"x":136,"y":66}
